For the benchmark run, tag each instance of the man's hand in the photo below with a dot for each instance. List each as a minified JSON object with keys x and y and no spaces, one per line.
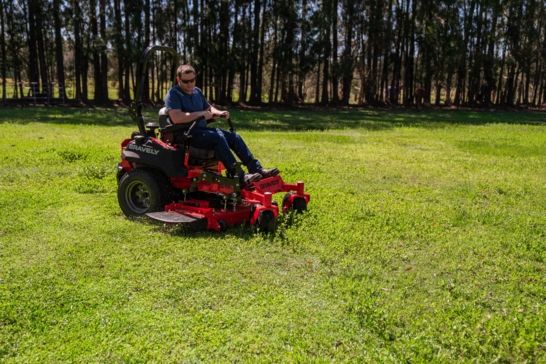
{"x":208,"y":115}
{"x":218,"y":113}
{"x":224,"y":114}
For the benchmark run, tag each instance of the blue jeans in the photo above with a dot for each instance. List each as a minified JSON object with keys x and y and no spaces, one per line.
{"x":222,"y":141}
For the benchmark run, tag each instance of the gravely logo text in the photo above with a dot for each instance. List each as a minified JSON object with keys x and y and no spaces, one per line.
{"x":141,"y":148}
{"x":268,"y":184}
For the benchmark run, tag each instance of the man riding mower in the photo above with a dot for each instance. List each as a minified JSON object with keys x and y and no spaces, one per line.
{"x":172,"y":173}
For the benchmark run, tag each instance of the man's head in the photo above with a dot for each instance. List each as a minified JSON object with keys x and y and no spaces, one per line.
{"x":185,"y":77}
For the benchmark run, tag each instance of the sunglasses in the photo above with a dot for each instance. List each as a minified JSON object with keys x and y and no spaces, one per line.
{"x":188,"y":81}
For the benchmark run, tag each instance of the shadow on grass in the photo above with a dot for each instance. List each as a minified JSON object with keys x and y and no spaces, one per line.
{"x":66,"y":115}
{"x":285,"y":119}
{"x":243,"y":231}
{"x":377,"y":119}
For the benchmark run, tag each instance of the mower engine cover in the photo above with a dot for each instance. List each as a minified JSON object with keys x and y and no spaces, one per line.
{"x":154,"y":153}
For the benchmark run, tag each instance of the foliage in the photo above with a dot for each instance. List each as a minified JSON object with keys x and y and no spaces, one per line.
{"x":424,"y":242}
{"x":463,"y":52}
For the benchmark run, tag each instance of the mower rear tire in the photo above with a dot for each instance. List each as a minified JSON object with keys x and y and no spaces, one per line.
{"x":140,"y":192}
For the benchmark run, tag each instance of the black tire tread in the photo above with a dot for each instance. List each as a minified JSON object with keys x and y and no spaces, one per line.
{"x":155,"y":184}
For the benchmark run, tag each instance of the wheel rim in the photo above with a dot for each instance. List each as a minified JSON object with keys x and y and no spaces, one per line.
{"x":138,"y":196}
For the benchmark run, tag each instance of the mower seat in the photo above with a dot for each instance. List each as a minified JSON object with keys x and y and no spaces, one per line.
{"x":166,"y":125}
{"x":174,"y":134}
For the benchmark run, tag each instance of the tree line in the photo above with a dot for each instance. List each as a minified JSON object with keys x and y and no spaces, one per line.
{"x":328,"y":52}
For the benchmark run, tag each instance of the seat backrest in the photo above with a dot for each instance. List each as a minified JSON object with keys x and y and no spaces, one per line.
{"x":166,"y":125}
{"x":164,"y":121}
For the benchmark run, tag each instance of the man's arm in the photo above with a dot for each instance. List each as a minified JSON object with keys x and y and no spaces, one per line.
{"x":178,"y":116}
{"x":215,"y":112}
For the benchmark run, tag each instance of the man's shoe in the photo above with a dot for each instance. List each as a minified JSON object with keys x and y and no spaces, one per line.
{"x":266,"y":173}
{"x":251,"y":177}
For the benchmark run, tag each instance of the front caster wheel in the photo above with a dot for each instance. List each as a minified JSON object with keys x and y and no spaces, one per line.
{"x":299,"y":205}
{"x":266,"y":222}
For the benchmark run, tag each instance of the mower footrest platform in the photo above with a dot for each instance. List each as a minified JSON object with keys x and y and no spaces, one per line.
{"x":171,"y":217}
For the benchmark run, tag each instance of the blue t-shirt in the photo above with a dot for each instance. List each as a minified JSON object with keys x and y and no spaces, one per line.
{"x":196,"y":101}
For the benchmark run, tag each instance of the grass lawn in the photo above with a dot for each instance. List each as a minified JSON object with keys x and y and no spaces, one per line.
{"x":424,"y":241}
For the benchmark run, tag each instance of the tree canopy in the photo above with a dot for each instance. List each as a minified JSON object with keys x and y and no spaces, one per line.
{"x":328,"y":52}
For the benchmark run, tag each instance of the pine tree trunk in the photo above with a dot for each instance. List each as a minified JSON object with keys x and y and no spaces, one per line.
{"x":394,"y":92}
{"x":78,"y":53}
{"x":537,"y":81}
{"x":42,"y":59}
{"x":97,"y":77}
{"x":261,"y":56}
{"x":59,"y":50}
{"x":461,"y":73}
{"x":335,"y":82}
{"x":302,"y":66}
{"x":146,"y":85}
{"x":543,"y":91}
{"x":409,"y":66}
{"x":3,"y":49}
{"x":490,"y":63}
{"x":18,"y":86}
{"x":317,"y":86}
{"x":438,"y":94}
{"x":510,"y":92}
{"x":274,"y":64}
{"x":242,"y":82}
{"x":102,"y":51}
{"x":33,"y":73}
{"x":499,"y":86}
{"x":223,"y":67}
{"x":118,"y":39}
{"x":127,"y":58}
{"x":254,"y":99}
{"x":326,"y":57}
{"x":85,"y":67}
{"x":427,"y":54}
{"x":277,"y":83}
{"x":385,"y":94}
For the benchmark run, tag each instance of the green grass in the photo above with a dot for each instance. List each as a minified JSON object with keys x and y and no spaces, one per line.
{"x":424,"y":241}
